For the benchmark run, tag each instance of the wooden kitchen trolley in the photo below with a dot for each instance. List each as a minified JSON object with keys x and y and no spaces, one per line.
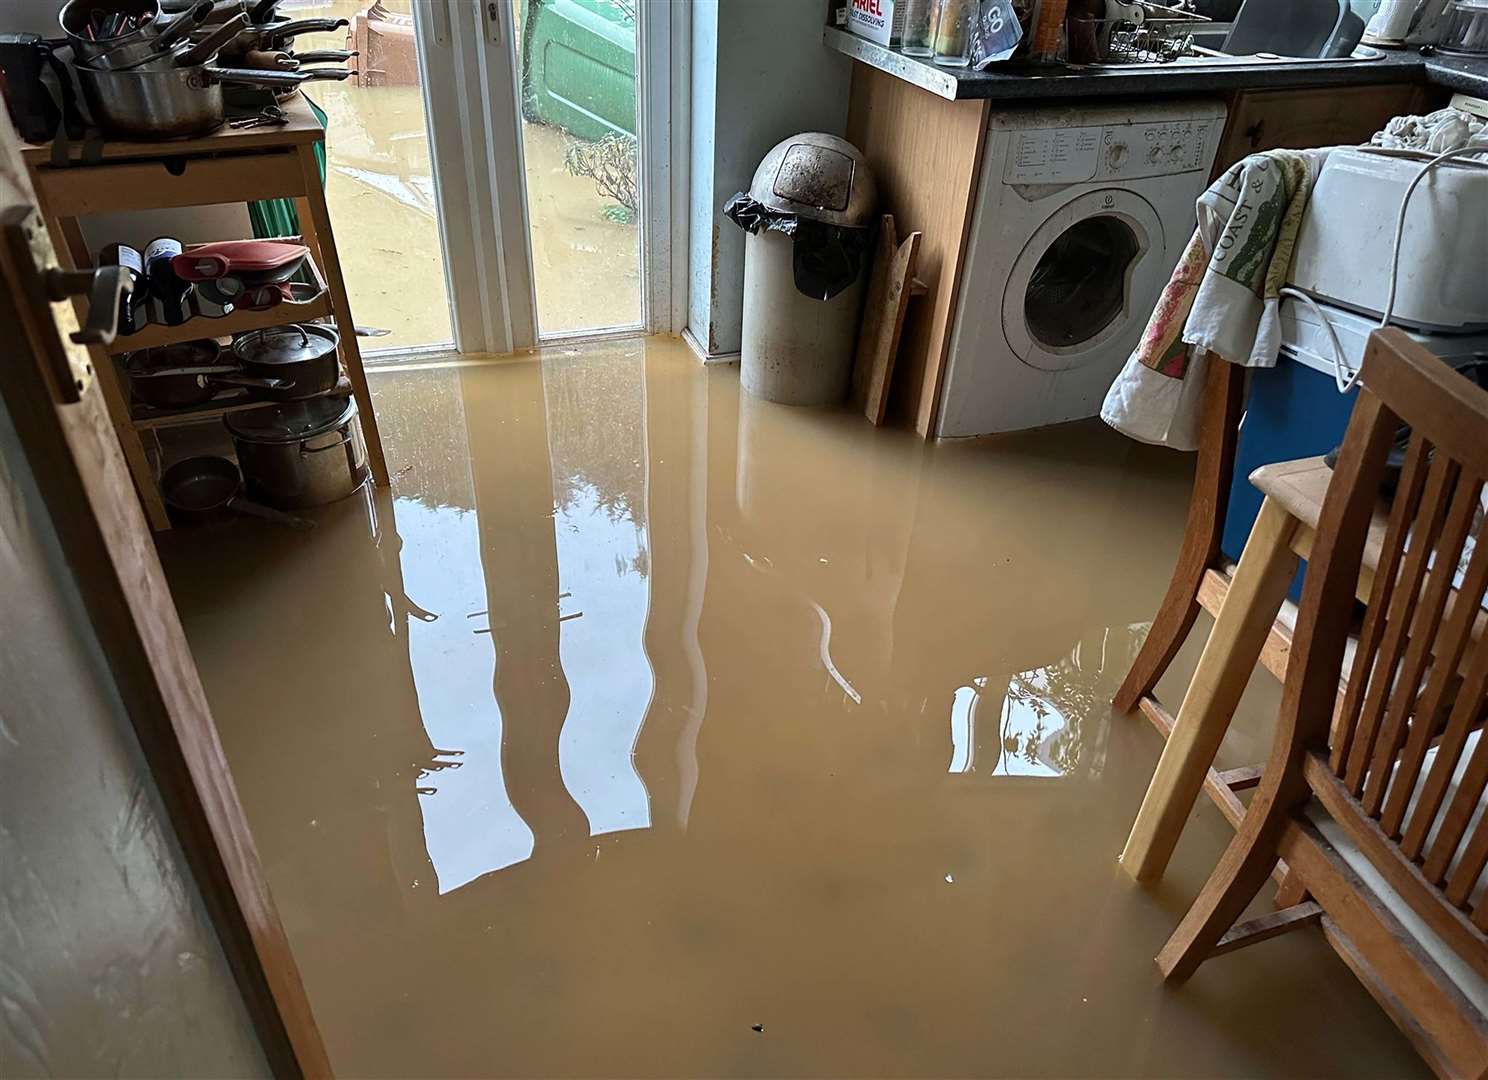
{"x":227,"y":166}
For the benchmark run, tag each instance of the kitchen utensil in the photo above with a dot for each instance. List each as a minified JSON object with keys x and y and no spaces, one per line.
{"x":324,"y":56}
{"x":269,"y":36}
{"x":180,"y":27}
{"x":80,"y":27}
{"x":301,"y":453}
{"x":205,"y":489}
{"x":276,"y":60}
{"x":177,"y":102}
{"x":167,"y":47}
{"x":201,"y":51}
{"x":302,"y":352}
{"x":183,"y":387}
{"x":1129,"y":32}
{"x":1465,"y":30}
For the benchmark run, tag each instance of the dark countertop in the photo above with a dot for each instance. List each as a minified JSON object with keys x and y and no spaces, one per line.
{"x":1023,"y":82}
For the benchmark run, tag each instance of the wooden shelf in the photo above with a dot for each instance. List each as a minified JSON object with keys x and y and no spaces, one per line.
{"x":240,"y":321}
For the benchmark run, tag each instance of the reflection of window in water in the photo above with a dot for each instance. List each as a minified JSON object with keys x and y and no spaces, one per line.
{"x":603,"y":547}
{"x":471,"y":827}
{"x":1048,"y":722}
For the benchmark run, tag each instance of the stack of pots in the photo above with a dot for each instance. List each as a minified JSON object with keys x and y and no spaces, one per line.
{"x":307,"y":451}
{"x":146,"y":76}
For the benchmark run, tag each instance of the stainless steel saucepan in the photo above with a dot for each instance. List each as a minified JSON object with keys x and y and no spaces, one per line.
{"x":177,"y":102}
{"x":154,"y":36}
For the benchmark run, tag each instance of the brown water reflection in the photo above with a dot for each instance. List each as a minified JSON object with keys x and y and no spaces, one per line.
{"x":678,"y":755}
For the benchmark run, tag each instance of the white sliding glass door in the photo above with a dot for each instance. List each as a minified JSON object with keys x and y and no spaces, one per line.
{"x":552,"y":127}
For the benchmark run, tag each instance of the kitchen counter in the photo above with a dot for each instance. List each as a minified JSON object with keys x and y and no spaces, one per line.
{"x":1026,"y":82}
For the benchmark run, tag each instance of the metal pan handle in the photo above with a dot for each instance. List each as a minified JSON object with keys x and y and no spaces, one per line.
{"x":246,"y":506}
{"x":342,"y":441}
{"x":182,"y":25}
{"x":207,"y":47}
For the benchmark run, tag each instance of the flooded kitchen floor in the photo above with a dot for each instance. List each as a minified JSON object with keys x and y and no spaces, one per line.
{"x":646,"y":729}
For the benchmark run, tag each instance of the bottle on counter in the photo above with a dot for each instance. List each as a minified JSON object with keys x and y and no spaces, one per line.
{"x":170,"y":297}
{"x":133,"y":312}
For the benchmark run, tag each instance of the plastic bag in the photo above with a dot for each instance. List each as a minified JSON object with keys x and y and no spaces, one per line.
{"x":825,"y":258}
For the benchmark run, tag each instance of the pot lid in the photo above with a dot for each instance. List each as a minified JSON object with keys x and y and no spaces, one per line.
{"x":292,"y":421}
{"x":291,"y":344}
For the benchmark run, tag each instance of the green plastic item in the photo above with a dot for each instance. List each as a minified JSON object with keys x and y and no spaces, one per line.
{"x":579,"y":66}
{"x":277,"y":217}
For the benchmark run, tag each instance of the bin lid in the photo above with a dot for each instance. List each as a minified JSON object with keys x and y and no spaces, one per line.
{"x":819,"y":177}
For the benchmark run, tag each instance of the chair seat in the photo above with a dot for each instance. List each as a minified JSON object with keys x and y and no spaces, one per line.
{"x":1472,"y":985}
{"x":1301,"y":486}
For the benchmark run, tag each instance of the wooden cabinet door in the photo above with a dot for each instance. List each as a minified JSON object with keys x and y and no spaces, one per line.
{"x":1299,"y":119}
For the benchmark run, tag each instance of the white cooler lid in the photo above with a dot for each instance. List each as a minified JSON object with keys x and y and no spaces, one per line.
{"x":1304,"y":339}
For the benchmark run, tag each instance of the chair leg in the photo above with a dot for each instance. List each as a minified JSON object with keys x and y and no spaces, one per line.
{"x":1224,"y":401}
{"x":1291,"y":891}
{"x":1243,"y":869}
{"x":1256,"y":592}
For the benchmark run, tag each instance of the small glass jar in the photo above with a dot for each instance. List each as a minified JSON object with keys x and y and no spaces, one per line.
{"x":953,"y":19}
{"x":919,"y":28}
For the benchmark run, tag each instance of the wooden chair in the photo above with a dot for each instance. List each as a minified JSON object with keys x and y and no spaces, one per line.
{"x":1375,"y":798}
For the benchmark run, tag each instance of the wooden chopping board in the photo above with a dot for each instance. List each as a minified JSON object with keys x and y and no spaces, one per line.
{"x":883,"y":319}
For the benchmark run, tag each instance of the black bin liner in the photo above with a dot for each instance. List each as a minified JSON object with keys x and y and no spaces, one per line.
{"x":826,"y":258}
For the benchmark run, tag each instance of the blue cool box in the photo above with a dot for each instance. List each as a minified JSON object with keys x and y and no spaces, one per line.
{"x":1292,"y":411}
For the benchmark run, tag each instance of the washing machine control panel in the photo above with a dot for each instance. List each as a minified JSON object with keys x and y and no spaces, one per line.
{"x":1116,"y":152}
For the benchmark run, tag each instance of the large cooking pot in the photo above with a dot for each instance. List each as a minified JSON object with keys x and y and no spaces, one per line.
{"x":175,"y":102}
{"x":301,"y":453}
{"x":304,"y":353}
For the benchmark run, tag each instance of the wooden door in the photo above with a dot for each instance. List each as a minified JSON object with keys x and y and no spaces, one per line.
{"x":75,"y":456}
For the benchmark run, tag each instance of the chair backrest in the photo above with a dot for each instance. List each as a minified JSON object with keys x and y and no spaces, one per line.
{"x":1395,"y":758}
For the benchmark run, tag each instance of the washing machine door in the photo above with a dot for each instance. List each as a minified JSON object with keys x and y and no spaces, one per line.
{"x":1088,"y":275}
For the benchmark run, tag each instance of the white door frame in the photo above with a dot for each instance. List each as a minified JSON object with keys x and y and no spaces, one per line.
{"x":471,"y":76}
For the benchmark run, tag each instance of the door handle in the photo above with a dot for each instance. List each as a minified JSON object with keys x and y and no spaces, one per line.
{"x":45,"y":291}
{"x":105,"y":287}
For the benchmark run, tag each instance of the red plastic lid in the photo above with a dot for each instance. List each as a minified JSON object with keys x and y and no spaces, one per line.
{"x":204,"y":262}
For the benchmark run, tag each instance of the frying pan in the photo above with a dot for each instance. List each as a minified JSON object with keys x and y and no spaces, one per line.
{"x":207,"y":488}
{"x":182,"y":387}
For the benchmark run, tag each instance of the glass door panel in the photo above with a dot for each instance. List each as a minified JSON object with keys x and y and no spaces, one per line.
{"x":379,"y":182}
{"x":580,"y":128}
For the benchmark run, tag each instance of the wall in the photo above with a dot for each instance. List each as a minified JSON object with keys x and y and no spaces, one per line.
{"x":108,"y":965}
{"x":759,"y":74}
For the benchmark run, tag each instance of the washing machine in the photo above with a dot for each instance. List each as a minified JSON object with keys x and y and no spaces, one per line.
{"x":1080,"y":217}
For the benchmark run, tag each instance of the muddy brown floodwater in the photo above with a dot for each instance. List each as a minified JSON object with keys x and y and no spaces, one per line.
{"x":380,"y":190}
{"x":646,"y":729}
